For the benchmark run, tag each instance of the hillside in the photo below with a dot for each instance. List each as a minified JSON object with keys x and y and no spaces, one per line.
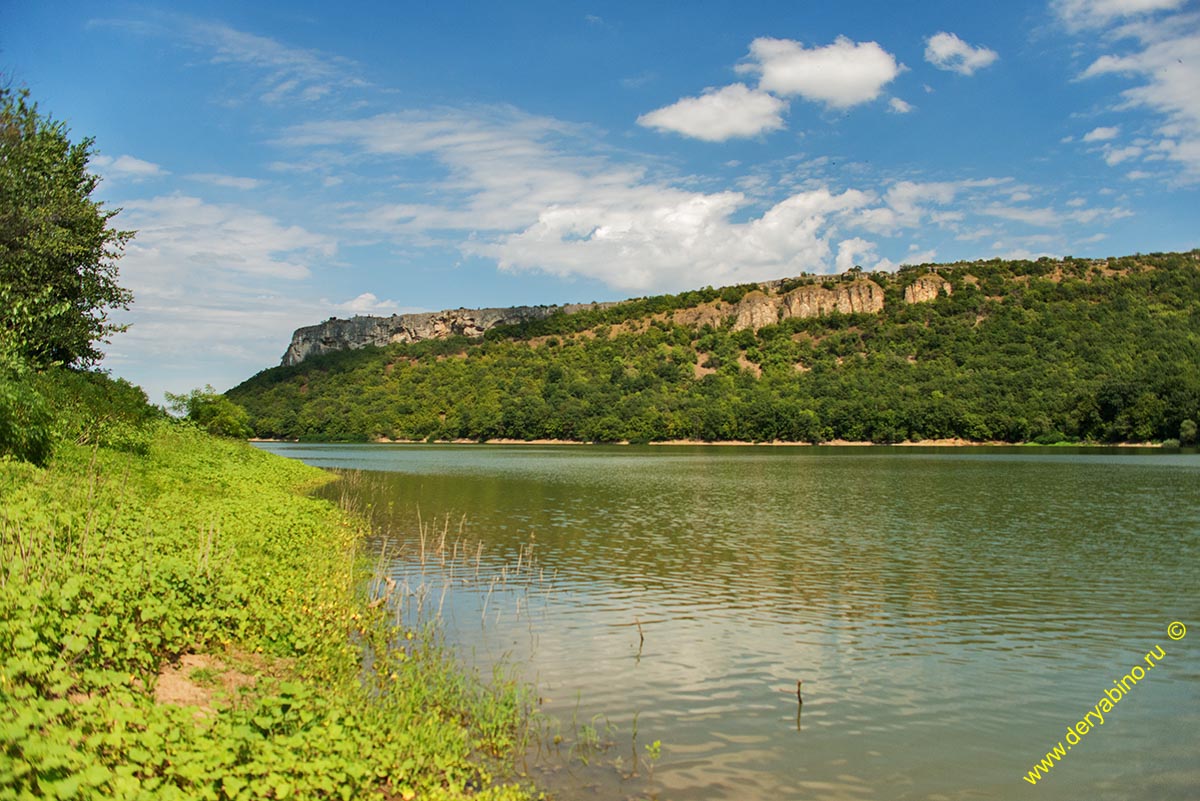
{"x":1090,"y":350}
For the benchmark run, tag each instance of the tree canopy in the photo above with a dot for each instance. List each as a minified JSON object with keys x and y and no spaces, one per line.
{"x":58,"y":253}
{"x":1046,"y":351}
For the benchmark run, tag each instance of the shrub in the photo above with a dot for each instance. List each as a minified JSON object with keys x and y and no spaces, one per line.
{"x":26,"y":423}
{"x":216,"y":414}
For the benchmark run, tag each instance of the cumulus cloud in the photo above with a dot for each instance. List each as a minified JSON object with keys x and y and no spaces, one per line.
{"x":1101,"y":134}
{"x":899,"y":106}
{"x":851,"y":251}
{"x":530,"y":193}
{"x":917,"y":256}
{"x":127,"y":167}
{"x":368,"y":303}
{"x":909,"y":204}
{"x":1116,"y":155}
{"x":840,"y":75}
{"x":720,"y":114}
{"x":658,"y":237}
{"x":947,"y":52}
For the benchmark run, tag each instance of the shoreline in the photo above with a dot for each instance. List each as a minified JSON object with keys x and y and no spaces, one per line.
{"x":691,"y":443}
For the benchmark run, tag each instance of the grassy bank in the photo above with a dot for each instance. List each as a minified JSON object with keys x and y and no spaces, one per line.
{"x":173,"y":561}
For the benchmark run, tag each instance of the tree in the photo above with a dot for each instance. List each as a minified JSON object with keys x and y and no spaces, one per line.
{"x":58,"y":271}
{"x":216,"y":414}
{"x":1187,"y":432}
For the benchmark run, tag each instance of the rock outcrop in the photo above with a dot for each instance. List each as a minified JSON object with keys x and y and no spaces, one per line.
{"x":850,"y":293}
{"x":358,"y":332}
{"x":926,"y":288}
{"x":756,"y":309}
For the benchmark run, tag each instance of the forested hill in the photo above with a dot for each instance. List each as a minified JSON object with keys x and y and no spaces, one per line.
{"x":1046,"y":350}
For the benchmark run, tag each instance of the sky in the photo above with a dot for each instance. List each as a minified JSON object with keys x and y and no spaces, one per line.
{"x":286,"y":162}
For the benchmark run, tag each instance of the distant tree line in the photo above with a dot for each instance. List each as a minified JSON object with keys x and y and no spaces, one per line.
{"x":1042,"y":351}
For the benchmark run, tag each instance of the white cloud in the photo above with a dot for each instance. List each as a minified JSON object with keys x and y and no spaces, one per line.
{"x":947,"y":52}
{"x":840,"y":75}
{"x":292,"y":74}
{"x":287,"y":75}
{"x":1101,"y":134}
{"x":655,"y":237}
{"x":899,"y":106}
{"x":226,"y":181}
{"x":368,"y":303}
{"x":1116,"y":155}
{"x":720,"y":114}
{"x":534,"y":194}
{"x":1137,"y":175}
{"x":851,"y":251}
{"x":1053,"y":218}
{"x":127,"y":167}
{"x":920,"y":257}
{"x":907,"y":204}
{"x":1095,"y":13}
{"x":1165,"y":59}
{"x":180,"y":237}
{"x":217,"y":291}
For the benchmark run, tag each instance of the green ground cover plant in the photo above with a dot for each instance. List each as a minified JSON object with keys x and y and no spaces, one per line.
{"x":128,"y":551}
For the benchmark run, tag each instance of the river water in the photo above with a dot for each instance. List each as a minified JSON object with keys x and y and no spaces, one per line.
{"x":951,"y":612}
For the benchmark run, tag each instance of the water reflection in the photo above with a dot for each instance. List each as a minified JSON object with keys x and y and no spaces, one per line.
{"x":950,"y":612}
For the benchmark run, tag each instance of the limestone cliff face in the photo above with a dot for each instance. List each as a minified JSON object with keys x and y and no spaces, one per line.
{"x":850,"y":294}
{"x":357,"y":332}
{"x":926,"y":288}
{"x":757,"y":309}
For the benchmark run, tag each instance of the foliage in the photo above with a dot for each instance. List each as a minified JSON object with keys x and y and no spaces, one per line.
{"x":58,"y":274}
{"x":1021,"y":351}
{"x":91,"y":408}
{"x":215,"y":413}
{"x":25,"y":420}
{"x":113,"y":564}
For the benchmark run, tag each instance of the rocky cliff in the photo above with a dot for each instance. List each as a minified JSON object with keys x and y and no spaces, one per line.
{"x":335,"y":334}
{"x":851,"y":293}
{"x":757,"y":308}
{"x":926,"y":288}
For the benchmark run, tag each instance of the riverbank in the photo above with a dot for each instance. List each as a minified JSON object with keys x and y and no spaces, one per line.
{"x":183,"y":621}
{"x":839,"y":443}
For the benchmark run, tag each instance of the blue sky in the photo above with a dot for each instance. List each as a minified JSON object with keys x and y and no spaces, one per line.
{"x":287,"y":162}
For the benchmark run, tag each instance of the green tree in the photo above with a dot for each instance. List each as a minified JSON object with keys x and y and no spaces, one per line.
{"x":58,"y":271}
{"x":1187,"y":432}
{"x":214,"y":413}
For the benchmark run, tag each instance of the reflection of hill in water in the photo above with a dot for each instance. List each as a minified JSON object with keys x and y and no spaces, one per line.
{"x":870,"y":533}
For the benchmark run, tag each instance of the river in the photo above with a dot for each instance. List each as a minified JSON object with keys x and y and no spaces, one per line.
{"x":951,"y":611}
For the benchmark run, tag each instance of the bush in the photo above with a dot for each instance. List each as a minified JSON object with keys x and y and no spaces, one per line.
{"x":26,"y":423}
{"x":91,"y":408}
{"x":1187,"y":432}
{"x":216,"y":414}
